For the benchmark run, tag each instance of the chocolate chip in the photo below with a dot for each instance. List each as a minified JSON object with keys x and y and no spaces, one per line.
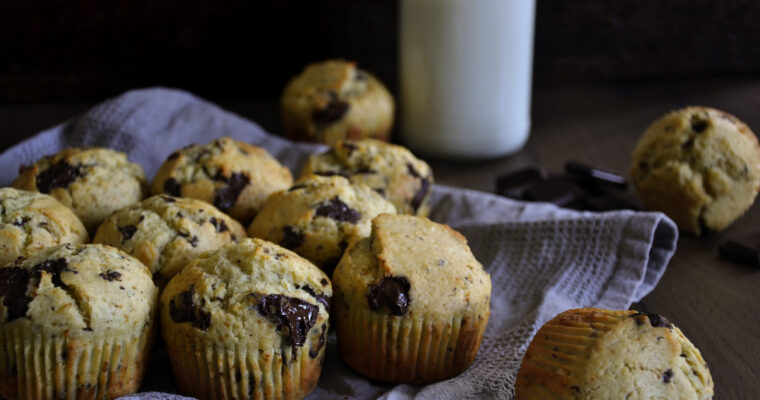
{"x":193,"y":241}
{"x":219,"y":224}
{"x":110,"y":275}
{"x":667,"y":376}
{"x":293,"y":317}
{"x":332,"y":112}
{"x":698,"y":124}
{"x":416,"y":201}
{"x":55,"y":268}
{"x":13,"y":287}
{"x":587,"y":172}
{"x":22,"y":221}
{"x":58,"y":175}
{"x":127,"y":231}
{"x":183,"y":309}
{"x":511,"y":184}
{"x":291,"y":238}
{"x":172,"y":188}
{"x":392,"y":292}
{"x":226,"y":196}
{"x":313,"y":353}
{"x":412,"y":171}
{"x":656,"y":320}
{"x":324,"y":300}
{"x":323,"y":282}
{"x":338,"y":210}
{"x":168,"y":199}
{"x":555,"y":190}
{"x":740,"y":251}
{"x":332,"y":173}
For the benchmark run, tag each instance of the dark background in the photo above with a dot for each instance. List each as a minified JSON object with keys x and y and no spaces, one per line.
{"x":86,"y":50}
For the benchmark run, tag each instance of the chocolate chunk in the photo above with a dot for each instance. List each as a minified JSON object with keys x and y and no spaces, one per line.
{"x":183,"y":309}
{"x":55,"y":268}
{"x":667,"y":376}
{"x":319,"y":297}
{"x":167,"y":199}
{"x":740,"y":251}
{"x":110,"y":275}
{"x":656,"y":320}
{"x":392,"y":292}
{"x":412,"y":171}
{"x":291,"y":238}
{"x":323,"y":282}
{"x":127,"y":231}
{"x":22,"y":221}
{"x":332,"y":112}
{"x":555,"y":190}
{"x":587,"y":172}
{"x":698,"y":124}
{"x":513,"y":183}
{"x":293,"y":317}
{"x":226,"y":196}
{"x":172,"y":188}
{"x":219,"y":224}
{"x":339,"y":211}
{"x":13,"y":287}
{"x":332,"y":173}
{"x":313,"y":353}
{"x":58,"y":175}
{"x":416,"y":201}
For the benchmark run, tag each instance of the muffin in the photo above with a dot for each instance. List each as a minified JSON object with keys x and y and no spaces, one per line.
{"x":235,"y":177}
{"x":31,"y":221}
{"x":698,"y":165}
{"x":248,"y":321}
{"x":591,"y":353}
{"x":332,"y":101}
{"x":319,"y":217}
{"x":76,"y":322}
{"x":165,"y":232}
{"x":411,"y":302}
{"x":391,"y":170}
{"x":93,"y":182}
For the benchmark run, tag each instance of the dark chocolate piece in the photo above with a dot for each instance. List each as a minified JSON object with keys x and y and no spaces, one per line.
{"x":22,"y":221}
{"x":58,"y":175}
{"x":291,"y":238}
{"x":588,"y":172}
{"x":293,"y":317}
{"x":392,"y":292}
{"x":55,"y":268}
{"x":332,"y":112}
{"x":698,"y":124}
{"x":110,"y":275}
{"x":416,"y":201}
{"x":226,"y":196}
{"x":336,"y":209}
{"x":127,"y":231}
{"x":172,"y":188}
{"x":656,"y":320}
{"x":555,"y":190}
{"x":740,"y":252}
{"x":667,"y":376}
{"x":183,"y":309}
{"x":319,"y":297}
{"x":219,"y":224}
{"x":512,"y":184}
{"x":13,"y":287}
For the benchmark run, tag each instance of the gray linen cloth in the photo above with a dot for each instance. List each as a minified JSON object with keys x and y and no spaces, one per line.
{"x":542,"y":259}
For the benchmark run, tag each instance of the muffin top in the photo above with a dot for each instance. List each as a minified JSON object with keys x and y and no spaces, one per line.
{"x":93,"y":182}
{"x":234,"y":176}
{"x":603,"y":354}
{"x":333,"y":100}
{"x":391,"y":170}
{"x":76,"y":290}
{"x":252,"y":292}
{"x":700,"y":166}
{"x":165,"y":232}
{"x":32,"y":221}
{"x":412,"y":266}
{"x":319,"y":217}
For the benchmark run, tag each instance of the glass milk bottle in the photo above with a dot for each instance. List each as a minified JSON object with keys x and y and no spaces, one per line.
{"x":465,"y":76}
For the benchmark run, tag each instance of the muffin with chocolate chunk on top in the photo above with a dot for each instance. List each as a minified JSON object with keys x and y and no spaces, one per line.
{"x":234,"y":176}
{"x":166,"y":233}
{"x":247,"y":321}
{"x":319,"y":217}
{"x":591,"y":353}
{"x":391,"y":170}
{"x":411,"y":302}
{"x":32,"y":221}
{"x":332,"y":101}
{"x":76,"y":322}
{"x":92,"y":182}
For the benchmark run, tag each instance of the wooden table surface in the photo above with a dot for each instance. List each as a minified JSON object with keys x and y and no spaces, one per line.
{"x":715,"y":303}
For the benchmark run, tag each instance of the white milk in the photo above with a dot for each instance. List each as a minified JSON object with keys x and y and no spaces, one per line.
{"x":465,"y":76}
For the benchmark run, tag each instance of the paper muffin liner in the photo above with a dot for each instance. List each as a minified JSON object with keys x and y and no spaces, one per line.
{"x":215,"y":370}
{"x":35,"y":366}
{"x":407,"y":349}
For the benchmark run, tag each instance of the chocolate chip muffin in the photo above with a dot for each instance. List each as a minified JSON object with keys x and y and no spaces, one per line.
{"x":234,"y":176}
{"x":165,"y":232}
{"x":391,"y":170}
{"x":411,"y":302}
{"x":93,"y":182}
{"x":592,"y":353}
{"x":31,"y":221}
{"x":248,"y":321}
{"x":332,"y":101}
{"x":76,"y":322}
{"x":698,"y":165}
{"x":319,"y":217}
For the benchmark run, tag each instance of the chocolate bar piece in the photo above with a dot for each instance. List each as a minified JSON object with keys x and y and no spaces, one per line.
{"x":514,"y":183}
{"x":556,"y":190}
{"x":596,"y":175}
{"x":740,"y":252}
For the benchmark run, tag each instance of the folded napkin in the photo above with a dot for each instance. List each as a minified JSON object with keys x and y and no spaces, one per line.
{"x":542,"y":259}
